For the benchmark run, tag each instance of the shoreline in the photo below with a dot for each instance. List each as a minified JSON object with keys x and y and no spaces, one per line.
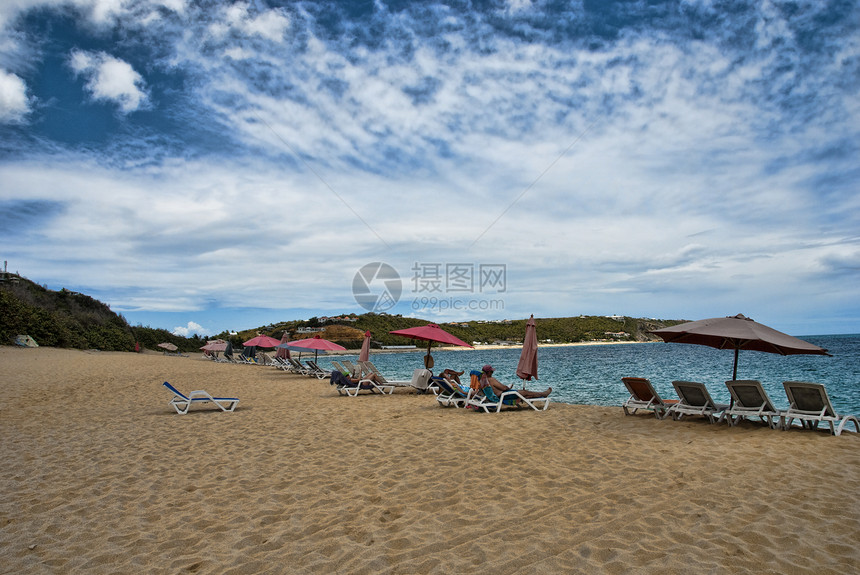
{"x":481,"y":347}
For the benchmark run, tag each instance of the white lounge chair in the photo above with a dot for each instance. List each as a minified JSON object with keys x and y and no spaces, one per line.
{"x":354,"y":371}
{"x":341,"y":368}
{"x":450,"y":393}
{"x":749,"y":399}
{"x":420,"y":377}
{"x":182,"y":403}
{"x":489,"y":402}
{"x":644,"y":396}
{"x":281,"y":363}
{"x":368,"y":367}
{"x":810,"y":405}
{"x":695,"y":400}
{"x":345,"y":386}
{"x":297,"y":367}
{"x":316,"y":371}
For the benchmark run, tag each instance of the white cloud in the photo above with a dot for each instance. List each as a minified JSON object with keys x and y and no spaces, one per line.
{"x":518,"y":5}
{"x":238,"y":17}
{"x":14,"y":103}
{"x":694,"y":176}
{"x":110,"y":79}
{"x":191,"y":329}
{"x":100,"y":13}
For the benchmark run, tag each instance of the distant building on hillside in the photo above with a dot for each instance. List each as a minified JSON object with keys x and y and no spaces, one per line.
{"x":309,"y":329}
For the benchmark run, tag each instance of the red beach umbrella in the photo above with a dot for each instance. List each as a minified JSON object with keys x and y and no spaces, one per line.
{"x":527,"y":368}
{"x":365,"y":348}
{"x":316,"y":343}
{"x":262,"y":341}
{"x":430,"y":333}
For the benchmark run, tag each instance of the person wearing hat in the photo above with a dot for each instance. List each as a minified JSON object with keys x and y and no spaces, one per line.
{"x":499,"y":387}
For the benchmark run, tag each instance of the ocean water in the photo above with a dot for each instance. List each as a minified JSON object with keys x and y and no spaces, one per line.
{"x":592,"y":374}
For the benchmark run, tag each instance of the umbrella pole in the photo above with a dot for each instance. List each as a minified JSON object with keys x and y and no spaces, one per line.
{"x":427,"y":359}
{"x":735,"y":370}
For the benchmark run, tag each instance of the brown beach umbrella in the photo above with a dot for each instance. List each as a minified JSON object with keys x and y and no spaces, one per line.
{"x":430,"y":333}
{"x":365,"y":348}
{"x":215,"y":345}
{"x":168,"y":346}
{"x":737,"y":332}
{"x":527,"y":368}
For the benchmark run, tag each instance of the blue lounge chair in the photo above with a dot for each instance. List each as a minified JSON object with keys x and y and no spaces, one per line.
{"x":182,"y":403}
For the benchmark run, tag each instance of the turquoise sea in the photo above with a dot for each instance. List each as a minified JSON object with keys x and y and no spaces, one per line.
{"x":592,"y":374}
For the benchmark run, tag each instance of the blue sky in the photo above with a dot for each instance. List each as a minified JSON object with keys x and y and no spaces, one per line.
{"x":203,"y":166}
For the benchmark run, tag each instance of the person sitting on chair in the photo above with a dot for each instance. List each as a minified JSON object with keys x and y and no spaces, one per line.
{"x":342,"y":379}
{"x":499,"y":387}
{"x":451,"y":375}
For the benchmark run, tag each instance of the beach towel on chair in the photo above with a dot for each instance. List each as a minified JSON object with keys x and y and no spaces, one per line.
{"x":340,"y":380}
{"x":475,"y":380}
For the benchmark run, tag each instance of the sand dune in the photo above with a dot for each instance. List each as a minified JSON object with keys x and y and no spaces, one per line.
{"x":100,"y":474}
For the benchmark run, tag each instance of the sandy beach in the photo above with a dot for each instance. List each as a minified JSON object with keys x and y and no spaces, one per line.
{"x":100,"y":475}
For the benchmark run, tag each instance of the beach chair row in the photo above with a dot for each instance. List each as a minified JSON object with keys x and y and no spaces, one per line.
{"x":366,"y":378}
{"x":350,"y":379}
{"x":309,"y":368}
{"x":240,"y":358}
{"x":809,"y":404}
{"x":485,"y":399}
{"x":447,"y":392}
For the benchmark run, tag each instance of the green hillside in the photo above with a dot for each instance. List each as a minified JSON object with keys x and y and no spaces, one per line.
{"x":69,"y":319}
{"x":555,"y":330}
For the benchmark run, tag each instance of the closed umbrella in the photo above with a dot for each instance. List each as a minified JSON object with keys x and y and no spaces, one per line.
{"x":283,"y":352}
{"x":737,"y":332}
{"x":527,"y":367}
{"x":364,"y":355}
{"x":430,"y":333}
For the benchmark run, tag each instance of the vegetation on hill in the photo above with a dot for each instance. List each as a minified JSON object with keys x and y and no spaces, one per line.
{"x":555,"y":330}
{"x":69,"y":319}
